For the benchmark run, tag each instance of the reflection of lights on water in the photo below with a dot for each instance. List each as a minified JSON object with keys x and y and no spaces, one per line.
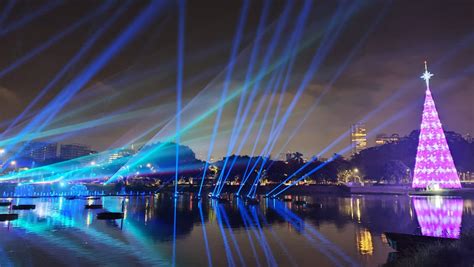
{"x":60,"y":203}
{"x":384,"y":239}
{"x":358,"y":210}
{"x":41,"y":210}
{"x":212,"y":215}
{"x":468,"y":206}
{"x":89,"y":218}
{"x":437,"y":201}
{"x":352,"y":210}
{"x":439,"y":217}
{"x":365,"y":245}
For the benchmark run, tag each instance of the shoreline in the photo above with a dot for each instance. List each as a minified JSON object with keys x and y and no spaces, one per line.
{"x":304,"y":190}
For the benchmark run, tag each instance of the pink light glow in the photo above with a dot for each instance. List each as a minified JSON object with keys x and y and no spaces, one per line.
{"x":439,"y":217}
{"x":434,"y":164}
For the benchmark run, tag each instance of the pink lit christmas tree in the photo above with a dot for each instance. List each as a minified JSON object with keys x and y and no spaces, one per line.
{"x":434,"y":167}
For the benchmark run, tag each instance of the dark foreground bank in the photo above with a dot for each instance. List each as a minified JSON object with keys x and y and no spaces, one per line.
{"x":457,"y":253}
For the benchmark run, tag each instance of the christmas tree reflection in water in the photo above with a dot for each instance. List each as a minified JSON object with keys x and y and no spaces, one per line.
{"x":365,"y":245}
{"x":440,"y":217}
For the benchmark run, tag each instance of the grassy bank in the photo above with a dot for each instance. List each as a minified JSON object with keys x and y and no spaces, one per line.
{"x":458,"y":253}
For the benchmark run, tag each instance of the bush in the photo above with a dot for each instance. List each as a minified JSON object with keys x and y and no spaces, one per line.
{"x":457,"y":253}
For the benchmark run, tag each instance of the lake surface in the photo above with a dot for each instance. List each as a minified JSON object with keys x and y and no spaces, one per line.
{"x":328,"y":231}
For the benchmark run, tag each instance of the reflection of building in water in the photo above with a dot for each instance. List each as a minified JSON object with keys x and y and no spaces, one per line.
{"x":469,"y":207}
{"x":440,"y":217}
{"x":364,"y":242}
{"x":353,"y":208}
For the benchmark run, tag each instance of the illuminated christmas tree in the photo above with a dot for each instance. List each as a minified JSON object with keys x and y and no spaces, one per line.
{"x":434,"y":166}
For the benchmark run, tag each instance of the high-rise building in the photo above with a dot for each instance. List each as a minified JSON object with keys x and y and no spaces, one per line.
{"x":72,"y":151}
{"x":40,"y":151}
{"x":382,"y":139}
{"x":358,"y":138}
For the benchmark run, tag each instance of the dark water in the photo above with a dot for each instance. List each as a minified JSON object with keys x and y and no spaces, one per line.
{"x":328,"y":231}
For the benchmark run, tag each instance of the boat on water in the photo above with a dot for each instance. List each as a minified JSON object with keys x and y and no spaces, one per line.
{"x":5,"y":204}
{"x":407,"y":242}
{"x":110,"y":215}
{"x":24,"y":207}
{"x":93,"y":206}
{"x":8,"y":217}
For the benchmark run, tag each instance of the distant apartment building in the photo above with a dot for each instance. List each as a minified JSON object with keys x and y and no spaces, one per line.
{"x":40,"y":151}
{"x":286,"y":156}
{"x":382,"y":139}
{"x":120,"y":154}
{"x":72,"y":151}
{"x":358,"y":138}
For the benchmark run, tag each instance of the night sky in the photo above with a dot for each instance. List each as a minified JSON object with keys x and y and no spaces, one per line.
{"x":386,"y":65}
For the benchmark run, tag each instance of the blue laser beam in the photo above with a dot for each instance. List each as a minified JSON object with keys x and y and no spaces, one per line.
{"x":338,"y":73}
{"x":6,"y":11}
{"x":322,"y":244}
{"x":293,"y":40}
{"x":260,"y":130}
{"x":143,"y":155}
{"x":46,"y":115}
{"x":270,"y":89}
{"x":204,"y":234}
{"x":247,"y":226}
{"x":54,"y":39}
{"x":179,"y":85}
{"x":230,"y":68}
{"x":253,"y":56}
{"x":240,"y":119}
{"x":231,"y":234}
{"x":230,"y":258}
{"x":74,"y":60}
{"x":29,"y":17}
{"x":330,"y":37}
